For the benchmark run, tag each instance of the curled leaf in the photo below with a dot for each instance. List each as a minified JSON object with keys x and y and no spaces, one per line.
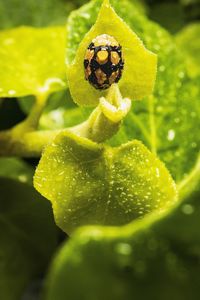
{"x":114,"y":107}
{"x":140,"y":64}
{"x":88,"y":183}
{"x":112,"y":113}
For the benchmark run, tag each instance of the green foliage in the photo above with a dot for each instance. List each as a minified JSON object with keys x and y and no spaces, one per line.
{"x":89,"y":183}
{"x":60,"y":111}
{"x":188,"y":41}
{"x":173,"y":15}
{"x":161,"y":122}
{"x":32,"y":61}
{"x":16,"y":169}
{"x":140,"y":64}
{"x":61,"y":117}
{"x":161,"y":253}
{"x":27,"y":235}
{"x":74,"y":199}
{"x":38,"y":13}
{"x":163,"y":256}
{"x":169,"y":14}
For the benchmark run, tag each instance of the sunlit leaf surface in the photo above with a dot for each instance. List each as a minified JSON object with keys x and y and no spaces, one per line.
{"x":92,"y":184}
{"x":32,"y":61}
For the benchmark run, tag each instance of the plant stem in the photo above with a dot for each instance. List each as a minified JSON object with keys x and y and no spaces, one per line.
{"x":106,"y":119}
{"x":25,"y":141}
{"x":97,"y":128}
{"x":31,"y":122}
{"x":30,"y":144}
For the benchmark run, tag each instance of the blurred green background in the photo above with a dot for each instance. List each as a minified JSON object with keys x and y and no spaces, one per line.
{"x":172,"y":15}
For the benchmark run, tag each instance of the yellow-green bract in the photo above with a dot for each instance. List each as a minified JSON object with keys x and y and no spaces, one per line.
{"x":140,"y":64}
{"x":89,"y":183}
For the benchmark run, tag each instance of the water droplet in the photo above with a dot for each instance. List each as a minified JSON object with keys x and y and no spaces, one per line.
{"x":181,"y":74}
{"x":11,"y":92}
{"x":176,"y":120}
{"x":162,"y":68}
{"x":157,"y":172}
{"x":57,"y":116}
{"x":22,"y":178}
{"x":171,"y":135}
{"x":85,"y":15}
{"x":187,"y":209}
{"x":194,"y":145}
{"x":123,"y":248}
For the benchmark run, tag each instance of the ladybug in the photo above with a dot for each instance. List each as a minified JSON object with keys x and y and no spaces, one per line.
{"x":103,"y":62}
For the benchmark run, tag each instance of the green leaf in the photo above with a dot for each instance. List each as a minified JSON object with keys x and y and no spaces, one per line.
{"x":34,"y":12}
{"x":170,"y":15}
{"x":140,"y":64}
{"x":161,"y":122}
{"x":27,"y":237}
{"x":61,"y":118}
{"x":189,"y":44}
{"x":32,"y":61}
{"x":16,"y":169}
{"x":161,"y":253}
{"x":173,"y":15}
{"x":89,"y":183}
{"x":60,"y":111}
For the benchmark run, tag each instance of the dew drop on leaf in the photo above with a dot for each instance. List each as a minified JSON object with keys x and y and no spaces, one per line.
{"x":187,"y":209}
{"x":171,"y":135}
{"x":89,"y":183}
{"x":123,"y":248}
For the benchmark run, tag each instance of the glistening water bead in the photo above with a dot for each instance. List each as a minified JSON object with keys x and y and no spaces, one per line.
{"x":103,"y":62}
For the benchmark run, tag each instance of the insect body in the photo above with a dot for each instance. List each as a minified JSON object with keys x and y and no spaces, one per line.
{"x":103,"y":62}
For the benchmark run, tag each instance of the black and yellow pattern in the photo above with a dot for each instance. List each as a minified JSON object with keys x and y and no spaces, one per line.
{"x":103,"y":62}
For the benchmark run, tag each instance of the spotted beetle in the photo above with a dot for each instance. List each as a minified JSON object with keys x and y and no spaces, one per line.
{"x":103,"y":62}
